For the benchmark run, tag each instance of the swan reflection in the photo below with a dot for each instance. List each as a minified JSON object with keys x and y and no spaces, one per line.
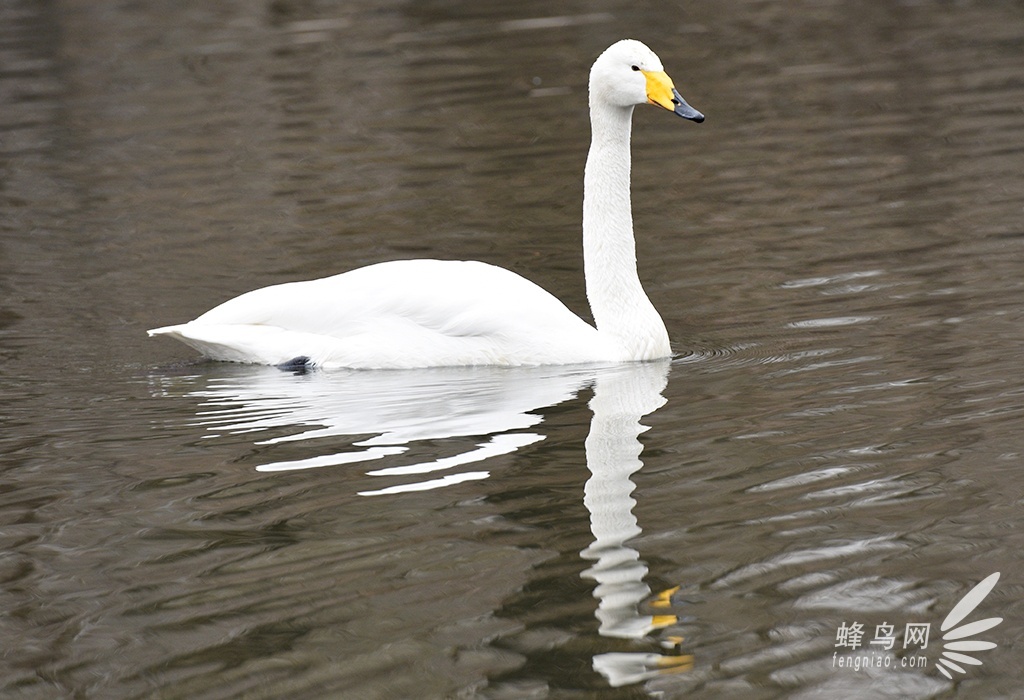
{"x":395,"y":408}
{"x":621,"y":399}
{"x":498,"y":408}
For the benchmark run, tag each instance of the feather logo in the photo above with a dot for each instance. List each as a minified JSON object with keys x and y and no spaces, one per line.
{"x":955,"y":641}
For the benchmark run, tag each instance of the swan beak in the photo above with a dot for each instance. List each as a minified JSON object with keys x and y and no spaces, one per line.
{"x":661,"y":92}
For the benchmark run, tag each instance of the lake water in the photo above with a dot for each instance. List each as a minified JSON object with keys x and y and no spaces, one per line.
{"x":838,"y":253}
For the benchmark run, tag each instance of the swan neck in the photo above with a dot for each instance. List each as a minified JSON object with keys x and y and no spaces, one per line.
{"x":621,"y":309}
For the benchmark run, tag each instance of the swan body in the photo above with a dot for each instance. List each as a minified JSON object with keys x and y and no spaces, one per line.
{"x":431,"y":313}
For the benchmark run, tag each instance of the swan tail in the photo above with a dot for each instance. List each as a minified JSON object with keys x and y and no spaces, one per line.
{"x":250,"y":344}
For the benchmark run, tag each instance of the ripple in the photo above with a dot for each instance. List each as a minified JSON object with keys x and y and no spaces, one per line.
{"x":867,"y":595}
{"x":816,"y":556}
{"x":830,"y":279}
{"x":804,"y":478}
{"x":833,"y":322}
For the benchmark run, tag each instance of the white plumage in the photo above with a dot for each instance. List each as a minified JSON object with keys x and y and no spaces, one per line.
{"x":429,"y":313}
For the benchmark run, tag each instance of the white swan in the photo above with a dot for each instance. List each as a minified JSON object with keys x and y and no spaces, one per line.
{"x":423,"y":313}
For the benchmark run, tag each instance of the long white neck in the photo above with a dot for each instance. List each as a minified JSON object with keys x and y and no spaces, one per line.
{"x":621,"y":309}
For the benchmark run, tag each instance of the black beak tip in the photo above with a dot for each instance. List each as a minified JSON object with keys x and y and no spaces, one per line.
{"x":687,"y":112}
{"x":683,"y":109}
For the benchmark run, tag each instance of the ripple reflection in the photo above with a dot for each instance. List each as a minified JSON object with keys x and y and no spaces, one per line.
{"x":499,"y":409}
{"x":613,"y":449}
{"x":396,"y":409}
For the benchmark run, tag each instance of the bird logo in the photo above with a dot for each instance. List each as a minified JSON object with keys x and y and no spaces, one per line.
{"x":955,"y":640}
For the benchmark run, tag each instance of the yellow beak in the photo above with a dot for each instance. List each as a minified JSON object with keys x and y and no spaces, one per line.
{"x":661,"y":92}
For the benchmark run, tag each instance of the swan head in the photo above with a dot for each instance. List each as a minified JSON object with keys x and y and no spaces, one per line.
{"x":628,"y":73}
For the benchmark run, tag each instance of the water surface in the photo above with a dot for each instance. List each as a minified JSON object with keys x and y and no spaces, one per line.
{"x":838,"y":252}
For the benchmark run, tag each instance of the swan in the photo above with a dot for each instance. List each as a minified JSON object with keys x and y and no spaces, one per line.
{"x":433,"y":313}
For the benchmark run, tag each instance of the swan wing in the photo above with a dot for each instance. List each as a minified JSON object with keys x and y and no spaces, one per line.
{"x":405,"y":313}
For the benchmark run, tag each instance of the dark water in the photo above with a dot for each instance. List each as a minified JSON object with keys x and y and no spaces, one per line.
{"x":838,"y":253}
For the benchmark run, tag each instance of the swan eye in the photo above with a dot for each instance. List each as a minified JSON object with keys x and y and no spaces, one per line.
{"x":636,"y":67}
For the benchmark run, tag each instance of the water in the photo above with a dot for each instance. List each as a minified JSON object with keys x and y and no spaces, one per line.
{"x":837,"y":252}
